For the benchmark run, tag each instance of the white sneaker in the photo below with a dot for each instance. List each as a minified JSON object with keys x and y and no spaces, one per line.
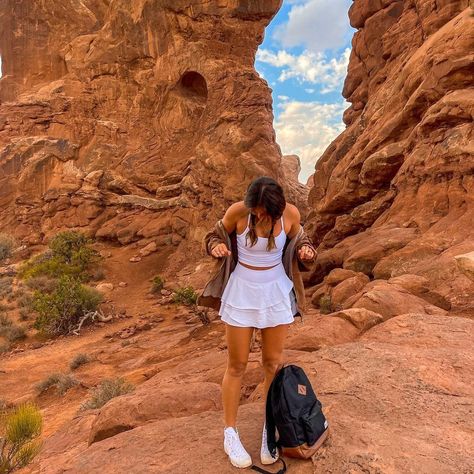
{"x":238,"y":456}
{"x":265,"y":455}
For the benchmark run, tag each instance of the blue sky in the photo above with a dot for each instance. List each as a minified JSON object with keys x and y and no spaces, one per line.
{"x":304,"y":59}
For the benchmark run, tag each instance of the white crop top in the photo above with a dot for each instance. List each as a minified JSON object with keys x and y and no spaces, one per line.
{"x":258,"y":255}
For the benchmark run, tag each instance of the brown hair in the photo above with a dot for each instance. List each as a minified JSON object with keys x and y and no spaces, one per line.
{"x":267,"y":193}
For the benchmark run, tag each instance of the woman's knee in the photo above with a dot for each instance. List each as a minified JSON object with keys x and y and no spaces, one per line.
{"x":236,"y":368}
{"x":271,"y":365}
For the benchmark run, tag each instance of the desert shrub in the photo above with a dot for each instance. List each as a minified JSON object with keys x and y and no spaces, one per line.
{"x":5,"y":321}
{"x":24,"y":314}
{"x":42,"y":283}
{"x":19,"y":430}
{"x":60,"y":311}
{"x":157,"y":284}
{"x":97,"y":274}
{"x":78,"y":360}
{"x":6,"y":286}
{"x":325,"y":304}
{"x":69,"y":254}
{"x":185,"y":295}
{"x":105,"y":391}
{"x":25,"y":300}
{"x":12,"y":333}
{"x":7,"y":243}
{"x":62,"y":382}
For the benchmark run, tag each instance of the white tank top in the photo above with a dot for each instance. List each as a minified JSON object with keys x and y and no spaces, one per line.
{"x":258,"y":255}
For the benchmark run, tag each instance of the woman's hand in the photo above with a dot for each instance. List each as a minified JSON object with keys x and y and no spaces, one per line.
{"x":220,"y":250}
{"x":306,"y":253}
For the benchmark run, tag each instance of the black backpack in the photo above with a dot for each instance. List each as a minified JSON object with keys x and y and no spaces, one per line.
{"x":293,"y":409}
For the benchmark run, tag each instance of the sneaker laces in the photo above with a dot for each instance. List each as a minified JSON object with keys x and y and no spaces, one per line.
{"x":234,"y":444}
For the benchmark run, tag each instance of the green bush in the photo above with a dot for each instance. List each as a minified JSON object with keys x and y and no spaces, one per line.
{"x":105,"y":391}
{"x":79,"y":359}
{"x":69,"y":254}
{"x":185,"y":295}
{"x":325,"y":304}
{"x":7,"y":242}
{"x":157,"y":284}
{"x":19,"y":431}
{"x":59,"y":312}
{"x":48,"y":265}
{"x":62,"y":382}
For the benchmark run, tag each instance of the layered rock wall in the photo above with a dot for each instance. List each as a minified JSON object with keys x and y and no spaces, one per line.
{"x":394,"y":193}
{"x":133,"y":121}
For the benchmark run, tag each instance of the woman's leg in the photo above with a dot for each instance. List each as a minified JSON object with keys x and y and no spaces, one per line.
{"x":238,"y":347}
{"x":273,"y":340}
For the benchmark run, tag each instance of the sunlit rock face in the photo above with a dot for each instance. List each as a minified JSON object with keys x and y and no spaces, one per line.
{"x":394,"y":193}
{"x":131,"y":120}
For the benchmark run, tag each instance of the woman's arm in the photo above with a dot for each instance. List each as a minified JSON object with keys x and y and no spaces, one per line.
{"x":305,"y":249}
{"x":232,"y":215}
{"x":215,"y":246}
{"x":293,"y":216}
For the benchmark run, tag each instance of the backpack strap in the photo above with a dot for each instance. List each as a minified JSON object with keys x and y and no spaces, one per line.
{"x":263,"y":471}
{"x":269,"y":420}
{"x":270,"y":424}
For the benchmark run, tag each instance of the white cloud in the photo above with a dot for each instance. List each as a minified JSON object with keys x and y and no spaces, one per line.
{"x":306,"y":129}
{"x":316,"y":24}
{"x":283,"y":97}
{"x":314,"y":68}
{"x":310,"y":91}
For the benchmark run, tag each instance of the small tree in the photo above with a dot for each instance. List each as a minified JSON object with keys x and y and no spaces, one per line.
{"x":59,"y":312}
{"x":185,"y":295}
{"x":19,"y":431}
{"x":69,"y":254}
{"x":157,"y":284}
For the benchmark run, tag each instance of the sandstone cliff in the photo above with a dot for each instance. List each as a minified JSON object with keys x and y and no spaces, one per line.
{"x":393,"y":194}
{"x":131,"y":120}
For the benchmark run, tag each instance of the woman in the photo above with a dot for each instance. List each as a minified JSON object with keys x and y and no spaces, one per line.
{"x":257,"y":295}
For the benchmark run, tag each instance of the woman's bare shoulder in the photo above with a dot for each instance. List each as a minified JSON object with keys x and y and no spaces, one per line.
{"x":292,"y":213}
{"x":232,"y":215}
{"x":292,"y":216}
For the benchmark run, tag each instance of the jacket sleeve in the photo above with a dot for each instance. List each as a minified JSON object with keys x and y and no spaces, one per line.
{"x":211,"y":239}
{"x":305,"y":266}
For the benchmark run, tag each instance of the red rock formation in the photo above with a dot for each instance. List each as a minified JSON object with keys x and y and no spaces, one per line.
{"x":393,"y":194}
{"x":134,"y":121}
{"x":389,"y":397}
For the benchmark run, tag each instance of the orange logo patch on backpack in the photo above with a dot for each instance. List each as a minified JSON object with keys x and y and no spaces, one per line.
{"x":302,"y":389}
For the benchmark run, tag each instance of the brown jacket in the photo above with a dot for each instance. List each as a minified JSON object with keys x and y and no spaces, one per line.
{"x":212,"y":292}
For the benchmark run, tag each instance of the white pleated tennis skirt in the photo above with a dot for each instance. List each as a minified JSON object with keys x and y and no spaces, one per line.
{"x":257,"y":298}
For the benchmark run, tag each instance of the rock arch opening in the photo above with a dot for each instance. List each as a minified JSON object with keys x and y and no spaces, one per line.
{"x":194,"y":85}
